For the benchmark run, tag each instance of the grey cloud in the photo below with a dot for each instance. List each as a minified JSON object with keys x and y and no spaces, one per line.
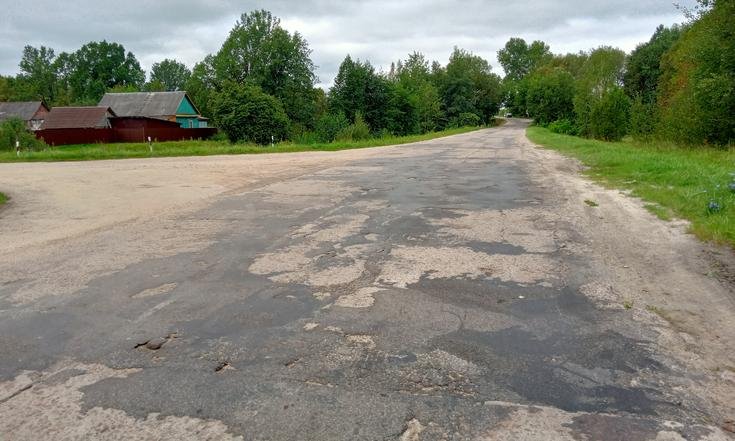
{"x":381,"y":31}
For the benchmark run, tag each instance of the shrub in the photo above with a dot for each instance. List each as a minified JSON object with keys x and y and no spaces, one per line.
{"x":642,"y":119}
{"x":14,"y":129}
{"x":357,"y":131}
{"x":564,"y":127}
{"x":468,"y":120}
{"x":245,"y":113}
{"x":609,"y":116}
{"x":330,"y":125}
{"x":306,"y":138}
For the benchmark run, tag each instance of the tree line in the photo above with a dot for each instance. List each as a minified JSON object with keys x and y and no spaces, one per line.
{"x":678,"y":86}
{"x":260,"y":85}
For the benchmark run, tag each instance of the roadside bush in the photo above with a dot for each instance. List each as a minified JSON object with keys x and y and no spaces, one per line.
{"x":357,"y":131}
{"x":245,"y":113}
{"x":609,"y":116}
{"x":642,"y":119}
{"x":219,"y":136}
{"x":14,"y":129}
{"x":563,"y":127}
{"x":330,"y":125}
{"x":468,"y":120}
{"x":306,"y":138}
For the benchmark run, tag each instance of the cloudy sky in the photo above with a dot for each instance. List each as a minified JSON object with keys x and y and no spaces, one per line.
{"x":381,"y":31}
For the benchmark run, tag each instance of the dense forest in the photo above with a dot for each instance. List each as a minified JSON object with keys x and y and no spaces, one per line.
{"x":680,"y":85}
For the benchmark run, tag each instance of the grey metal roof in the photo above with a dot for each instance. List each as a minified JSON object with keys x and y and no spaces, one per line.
{"x":23,"y":110}
{"x":151,"y":104}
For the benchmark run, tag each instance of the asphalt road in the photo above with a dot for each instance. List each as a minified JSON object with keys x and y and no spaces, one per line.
{"x":457,"y":289}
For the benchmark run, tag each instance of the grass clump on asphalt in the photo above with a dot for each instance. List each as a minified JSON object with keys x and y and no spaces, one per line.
{"x":89,"y":152}
{"x":689,"y":183}
{"x":3,"y":199}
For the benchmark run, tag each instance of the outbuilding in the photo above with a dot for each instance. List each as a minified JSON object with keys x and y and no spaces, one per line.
{"x":78,"y":118}
{"x":32,"y":112}
{"x":169,"y":106}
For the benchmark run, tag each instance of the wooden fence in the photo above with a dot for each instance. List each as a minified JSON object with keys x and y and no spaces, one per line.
{"x":99,"y":136}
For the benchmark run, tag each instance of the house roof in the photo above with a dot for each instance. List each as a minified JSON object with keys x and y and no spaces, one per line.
{"x":152,"y":104}
{"x":77,"y":117}
{"x":24,"y":110}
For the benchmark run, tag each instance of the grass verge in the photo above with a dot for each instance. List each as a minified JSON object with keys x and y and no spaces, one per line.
{"x":88,"y":152}
{"x":675,"y":181}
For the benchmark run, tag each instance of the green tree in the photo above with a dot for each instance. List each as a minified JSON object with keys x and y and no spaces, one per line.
{"x":37,"y":69}
{"x":97,"y":67}
{"x":642,"y":71}
{"x":169,"y":75}
{"x":610,"y":116}
{"x":519,"y":59}
{"x":696,"y":100}
{"x":601,"y":74}
{"x":572,"y":63}
{"x":414,"y":105}
{"x":259,"y":51}
{"x":550,"y":95}
{"x":467,"y":85}
{"x":357,"y":88}
{"x":245,"y":113}
{"x":202,"y":84}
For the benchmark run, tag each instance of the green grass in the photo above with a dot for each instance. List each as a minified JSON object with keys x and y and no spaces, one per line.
{"x":89,"y":152}
{"x":3,"y":199}
{"x":674,"y":181}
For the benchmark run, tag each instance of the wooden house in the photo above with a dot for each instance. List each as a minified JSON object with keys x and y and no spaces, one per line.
{"x":170,"y":106}
{"x":32,"y":112}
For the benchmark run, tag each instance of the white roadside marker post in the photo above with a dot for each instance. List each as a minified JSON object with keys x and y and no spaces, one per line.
{"x":17,"y":148}
{"x":150,"y":144}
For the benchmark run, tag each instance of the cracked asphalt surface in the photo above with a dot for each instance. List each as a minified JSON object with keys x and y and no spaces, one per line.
{"x":455,"y":289}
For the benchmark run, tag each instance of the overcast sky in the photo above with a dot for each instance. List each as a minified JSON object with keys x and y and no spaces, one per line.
{"x":381,"y":31}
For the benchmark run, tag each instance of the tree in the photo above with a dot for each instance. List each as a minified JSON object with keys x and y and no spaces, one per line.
{"x":202,"y":84}
{"x":245,"y":113}
{"x":467,"y":85}
{"x":643,"y":71}
{"x":37,"y":69}
{"x":572,"y":63}
{"x":610,"y":115}
{"x":413,"y":81}
{"x":519,"y":59}
{"x":357,"y":88}
{"x":97,"y":67}
{"x":696,"y":99}
{"x":259,"y":51}
{"x":601,"y":74}
{"x":550,"y":95}
{"x":169,"y":75}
